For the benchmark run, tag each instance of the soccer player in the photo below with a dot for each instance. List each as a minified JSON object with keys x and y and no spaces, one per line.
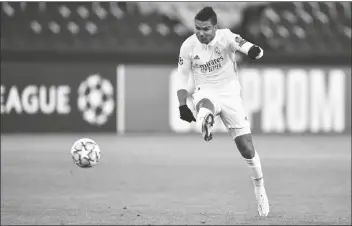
{"x":209,"y":56}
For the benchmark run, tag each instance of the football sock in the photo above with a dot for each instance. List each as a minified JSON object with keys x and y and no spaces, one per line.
{"x":257,"y":173}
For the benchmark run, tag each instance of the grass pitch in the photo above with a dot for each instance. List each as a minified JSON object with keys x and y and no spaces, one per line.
{"x":171,"y":179}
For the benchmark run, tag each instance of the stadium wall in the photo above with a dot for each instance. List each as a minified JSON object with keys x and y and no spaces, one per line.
{"x":54,"y":97}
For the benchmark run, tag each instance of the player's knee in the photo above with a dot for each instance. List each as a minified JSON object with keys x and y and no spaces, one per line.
{"x":205,"y":103}
{"x":245,"y":145}
{"x":239,"y":132}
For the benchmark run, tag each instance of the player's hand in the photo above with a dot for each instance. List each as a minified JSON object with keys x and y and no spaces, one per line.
{"x":186,"y":114}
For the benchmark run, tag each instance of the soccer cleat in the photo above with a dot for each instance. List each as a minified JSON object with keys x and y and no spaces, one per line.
{"x":262,"y":199}
{"x":208,"y":122}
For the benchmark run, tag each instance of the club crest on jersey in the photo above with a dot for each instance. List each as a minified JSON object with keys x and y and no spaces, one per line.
{"x":217,"y":51}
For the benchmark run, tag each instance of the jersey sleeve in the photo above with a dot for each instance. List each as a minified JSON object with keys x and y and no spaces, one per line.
{"x":184,"y":66}
{"x":237,"y":43}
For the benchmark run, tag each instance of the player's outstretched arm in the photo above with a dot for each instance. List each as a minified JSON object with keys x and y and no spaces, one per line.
{"x":184,"y":69}
{"x":239,"y":44}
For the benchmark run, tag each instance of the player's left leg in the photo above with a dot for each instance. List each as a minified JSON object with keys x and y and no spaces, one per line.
{"x":205,"y":118}
{"x":206,"y":110}
{"x":235,"y":119}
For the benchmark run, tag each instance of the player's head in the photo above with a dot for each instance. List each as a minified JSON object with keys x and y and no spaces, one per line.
{"x":206,"y":24}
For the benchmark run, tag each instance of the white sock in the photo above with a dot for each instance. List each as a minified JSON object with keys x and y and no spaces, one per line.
{"x":200,"y":117}
{"x":256,"y":167}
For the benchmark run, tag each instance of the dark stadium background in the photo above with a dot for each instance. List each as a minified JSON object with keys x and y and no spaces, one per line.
{"x":155,"y":169}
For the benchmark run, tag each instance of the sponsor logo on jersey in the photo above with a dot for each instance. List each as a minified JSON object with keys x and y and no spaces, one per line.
{"x":196,"y":57}
{"x":210,"y":66}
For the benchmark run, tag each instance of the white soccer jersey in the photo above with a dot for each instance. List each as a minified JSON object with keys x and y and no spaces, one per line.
{"x":213,"y":63}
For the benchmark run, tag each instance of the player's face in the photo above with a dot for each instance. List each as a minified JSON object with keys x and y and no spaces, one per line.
{"x":205,"y":31}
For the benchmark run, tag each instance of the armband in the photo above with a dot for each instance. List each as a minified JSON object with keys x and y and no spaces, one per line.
{"x":254,"y":52}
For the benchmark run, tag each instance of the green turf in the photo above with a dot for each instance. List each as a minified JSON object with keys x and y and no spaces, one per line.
{"x":162,"y":179}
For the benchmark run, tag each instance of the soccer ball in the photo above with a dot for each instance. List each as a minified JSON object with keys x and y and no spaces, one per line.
{"x":85,"y":153}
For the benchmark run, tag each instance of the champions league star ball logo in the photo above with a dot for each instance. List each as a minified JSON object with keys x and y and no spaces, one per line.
{"x":180,"y":61}
{"x":95,"y":100}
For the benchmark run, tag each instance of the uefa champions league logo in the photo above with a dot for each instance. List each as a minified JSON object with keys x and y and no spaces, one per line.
{"x":95,"y":99}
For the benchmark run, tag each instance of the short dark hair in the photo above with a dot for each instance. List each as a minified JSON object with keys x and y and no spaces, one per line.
{"x":207,"y":13}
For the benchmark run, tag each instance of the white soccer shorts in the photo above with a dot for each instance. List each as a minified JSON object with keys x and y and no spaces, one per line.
{"x":228,"y":105}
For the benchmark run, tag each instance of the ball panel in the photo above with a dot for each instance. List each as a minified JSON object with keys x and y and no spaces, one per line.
{"x":89,"y":116}
{"x":93,"y":80}
{"x":101,"y":119}
{"x":76,"y":156}
{"x":92,"y":156}
{"x":108,"y":107}
{"x":95,"y":98}
{"x":84,"y":162}
{"x":89,"y":146}
{"x":82,"y":88}
{"x":82,"y":103}
{"x":107,"y":87}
